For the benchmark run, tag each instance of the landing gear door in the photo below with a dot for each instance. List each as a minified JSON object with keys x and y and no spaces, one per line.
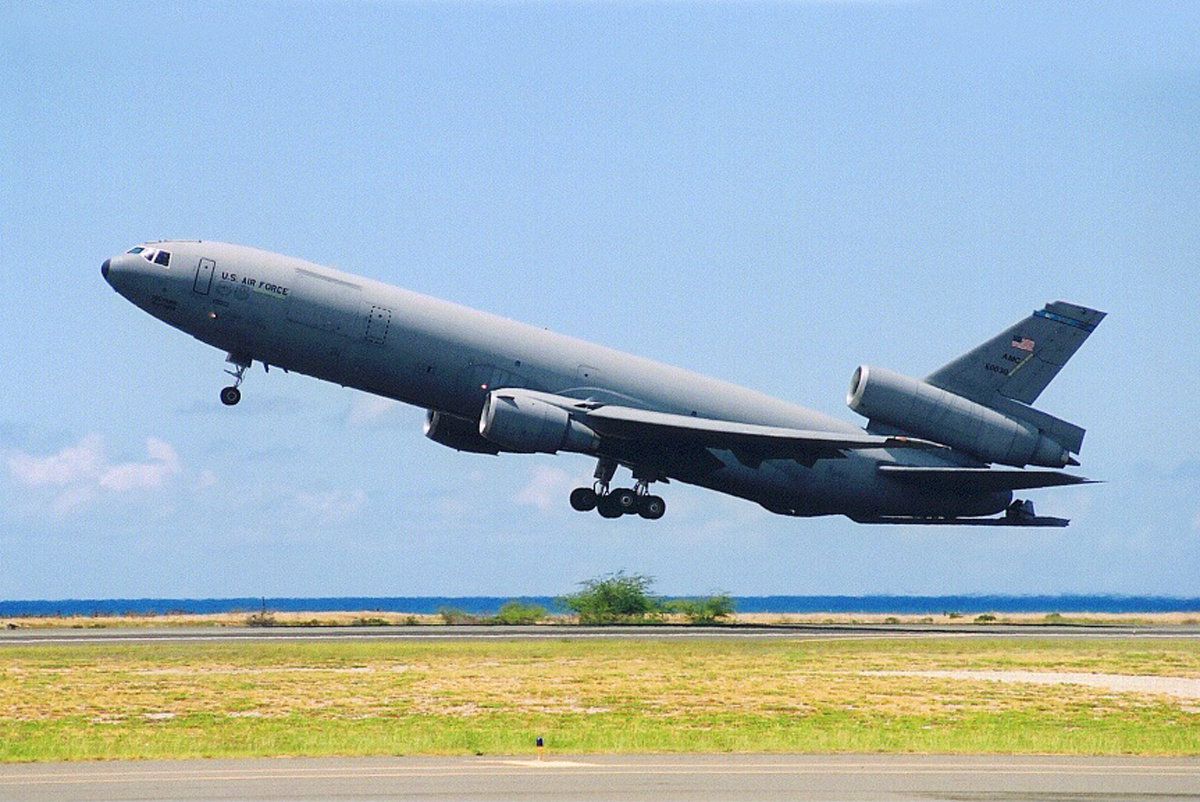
{"x":204,"y":276}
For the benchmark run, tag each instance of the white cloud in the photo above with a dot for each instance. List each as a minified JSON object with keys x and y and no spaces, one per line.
{"x":163,"y":463}
{"x":547,"y":488}
{"x":79,"y":474}
{"x":370,"y":410}
{"x":331,"y":506}
{"x":69,"y":466}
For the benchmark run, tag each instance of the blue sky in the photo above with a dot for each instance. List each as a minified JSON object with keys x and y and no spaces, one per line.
{"x":768,"y":193}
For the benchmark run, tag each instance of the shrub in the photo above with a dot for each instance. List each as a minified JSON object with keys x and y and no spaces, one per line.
{"x":615,"y":598}
{"x":626,"y":598}
{"x":450,"y":615}
{"x":514,"y":613}
{"x":702,"y":611}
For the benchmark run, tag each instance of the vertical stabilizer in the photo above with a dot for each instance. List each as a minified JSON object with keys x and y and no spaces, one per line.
{"x":1021,"y":361}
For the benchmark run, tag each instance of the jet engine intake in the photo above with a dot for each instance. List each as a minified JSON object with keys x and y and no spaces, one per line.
{"x":457,"y":433}
{"x":518,"y":420}
{"x":923,"y":410}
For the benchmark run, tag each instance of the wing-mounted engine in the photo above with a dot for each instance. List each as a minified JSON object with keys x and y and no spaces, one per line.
{"x":527,"y":421}
{"x":919,"y":408}
{"x":457,"y":433}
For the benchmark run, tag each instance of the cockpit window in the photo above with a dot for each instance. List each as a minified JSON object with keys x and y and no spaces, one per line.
{"x":154,"y":255}
{"x":138,"y":249}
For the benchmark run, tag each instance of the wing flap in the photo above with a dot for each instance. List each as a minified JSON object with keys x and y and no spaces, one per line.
{"x":752,"y":443}
{"x":980,"y":480}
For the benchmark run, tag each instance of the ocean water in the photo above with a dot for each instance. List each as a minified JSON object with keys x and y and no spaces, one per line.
{"x":485,"y":605}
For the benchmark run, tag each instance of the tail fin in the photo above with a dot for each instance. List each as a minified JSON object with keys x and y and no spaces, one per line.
{"x":1009,"y":371}
{"x":1020,"y":362}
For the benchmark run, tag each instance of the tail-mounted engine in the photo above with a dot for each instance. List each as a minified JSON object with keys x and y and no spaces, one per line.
{"x":926,"y":411}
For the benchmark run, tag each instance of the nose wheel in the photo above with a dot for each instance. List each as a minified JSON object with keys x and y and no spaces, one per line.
{"x":231,"y":395}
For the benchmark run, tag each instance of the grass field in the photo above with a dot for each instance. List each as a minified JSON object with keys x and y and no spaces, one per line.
{"x":95,"y":701}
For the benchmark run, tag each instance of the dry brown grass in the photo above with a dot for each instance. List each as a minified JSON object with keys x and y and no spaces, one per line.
{"x":343,"y":618}
{"x":372,"y":617}
{"x":945,"y":619}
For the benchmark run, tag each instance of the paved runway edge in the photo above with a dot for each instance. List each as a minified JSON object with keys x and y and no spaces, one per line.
{"x":600,"y":777}
{"x":32,"y":637}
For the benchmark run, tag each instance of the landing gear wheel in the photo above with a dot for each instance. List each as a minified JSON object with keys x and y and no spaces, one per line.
{"x":651,"y":507}
{"x":584,"y":499}
{"x":607,"y":507}
{"x":231,"y":395}
{"x":624,"y":499}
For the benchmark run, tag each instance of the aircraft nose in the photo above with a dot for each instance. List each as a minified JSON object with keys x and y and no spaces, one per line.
{"x":104,"y":268}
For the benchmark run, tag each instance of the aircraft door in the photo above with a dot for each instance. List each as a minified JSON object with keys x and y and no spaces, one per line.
{"x":378,"y":322}
{"x":204,"y":276}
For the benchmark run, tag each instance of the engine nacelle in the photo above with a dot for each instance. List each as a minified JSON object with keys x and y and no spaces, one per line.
{"x":457,"y":433}
{"x":517,"y":420}
{"x":926,"y":411}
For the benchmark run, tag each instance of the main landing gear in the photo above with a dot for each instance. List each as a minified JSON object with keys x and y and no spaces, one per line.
{"x":618,"y":502}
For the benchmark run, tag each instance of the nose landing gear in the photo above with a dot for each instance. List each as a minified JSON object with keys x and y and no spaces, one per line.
{"x":231,"y":395}
{"x":620,"y":501}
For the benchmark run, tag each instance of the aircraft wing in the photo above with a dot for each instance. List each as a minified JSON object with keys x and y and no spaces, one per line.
{"x":980,"y":480}
{"x":751,"y":443}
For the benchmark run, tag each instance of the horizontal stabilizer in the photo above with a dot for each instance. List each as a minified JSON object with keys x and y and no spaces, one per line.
{"x":980,"y":480}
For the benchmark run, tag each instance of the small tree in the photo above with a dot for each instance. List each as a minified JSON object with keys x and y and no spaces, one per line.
{"x":614,"y":598}
{"x":708,"y":610}
{"x":452,"y":616}
{"x":518,"y":613}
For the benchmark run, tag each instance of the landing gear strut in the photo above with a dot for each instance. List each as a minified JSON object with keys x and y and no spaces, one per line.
{"x":231,"y":395}
{"x":622,"y":500}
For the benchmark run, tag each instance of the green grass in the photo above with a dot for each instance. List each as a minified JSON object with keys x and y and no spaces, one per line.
{"x":94,"y":701}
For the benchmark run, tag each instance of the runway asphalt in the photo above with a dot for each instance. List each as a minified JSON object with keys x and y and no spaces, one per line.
{"x":30,"y":636}
{"x":644,"y":777}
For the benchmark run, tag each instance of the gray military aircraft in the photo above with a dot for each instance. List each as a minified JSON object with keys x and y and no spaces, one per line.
{"x":949,"y":449}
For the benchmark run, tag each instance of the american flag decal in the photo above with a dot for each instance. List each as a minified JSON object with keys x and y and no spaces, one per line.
{"x":1022,"y":343}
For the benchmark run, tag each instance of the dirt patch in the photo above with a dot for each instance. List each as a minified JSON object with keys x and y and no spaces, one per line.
{"x":1179,"y":687}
